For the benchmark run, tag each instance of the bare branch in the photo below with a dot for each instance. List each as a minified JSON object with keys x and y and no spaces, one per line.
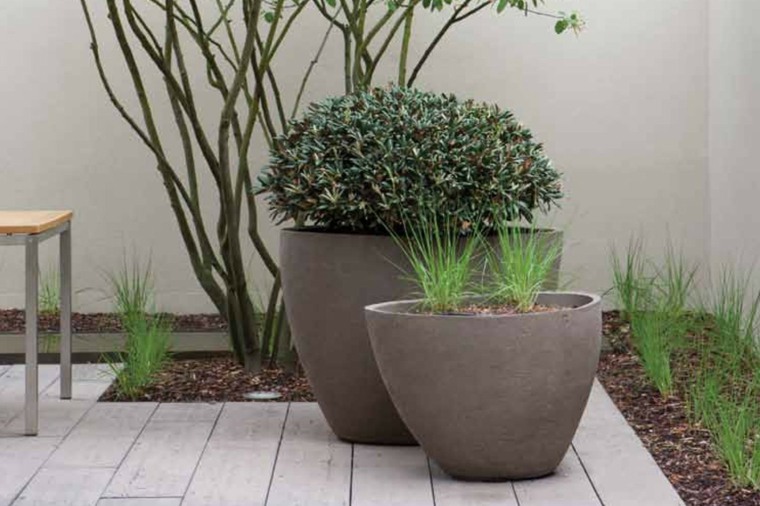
{"x":312,"y":64}
{"x":425,"y":55}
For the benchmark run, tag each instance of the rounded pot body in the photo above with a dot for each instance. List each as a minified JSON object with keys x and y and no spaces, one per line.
{"x":490,"y":397}
{"x":327,"y":280}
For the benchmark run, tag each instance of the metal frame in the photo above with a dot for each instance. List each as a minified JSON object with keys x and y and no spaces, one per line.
{"x":31,"y":243}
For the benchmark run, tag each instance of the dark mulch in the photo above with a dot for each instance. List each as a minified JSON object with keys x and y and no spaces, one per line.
{"x":682,"y":450}
{"x":217,"y":380}
{"x":12,"y":321}
{"x":503,"y":310}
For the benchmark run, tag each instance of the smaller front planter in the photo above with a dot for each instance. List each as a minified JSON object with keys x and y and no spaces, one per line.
{"x":490,"y":397}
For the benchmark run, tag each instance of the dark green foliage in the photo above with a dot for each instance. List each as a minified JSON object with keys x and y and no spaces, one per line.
{"x":358,"y":162}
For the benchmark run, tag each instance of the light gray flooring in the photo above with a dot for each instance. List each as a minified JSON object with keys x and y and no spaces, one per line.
{"x":275,"y":454}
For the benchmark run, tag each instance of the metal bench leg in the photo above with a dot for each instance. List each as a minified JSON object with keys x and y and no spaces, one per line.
{"x":32,"y":273}
{"x":65,"y":258}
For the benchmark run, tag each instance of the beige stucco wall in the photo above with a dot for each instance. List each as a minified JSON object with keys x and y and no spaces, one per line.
{"x":734,"y":107}
{"x":622,"y":109}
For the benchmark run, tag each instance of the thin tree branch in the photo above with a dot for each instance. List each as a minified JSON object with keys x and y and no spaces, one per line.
{"x":426,"y":54}
{"x":312,"y":64}
{"x":386,"y":43}
{"x":171,"y":182}
{"x":404,"y":53}
{"x":186,"y":101}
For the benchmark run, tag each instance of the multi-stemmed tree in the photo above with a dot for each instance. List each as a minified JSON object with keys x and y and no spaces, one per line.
{"x":238,"y":66}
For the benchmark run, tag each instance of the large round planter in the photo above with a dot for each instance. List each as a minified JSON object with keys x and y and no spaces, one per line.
{"x":327,"y":279}
{"x":490,"y":397}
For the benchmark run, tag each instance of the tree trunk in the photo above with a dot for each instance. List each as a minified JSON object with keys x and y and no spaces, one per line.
{"x":243,"y":330}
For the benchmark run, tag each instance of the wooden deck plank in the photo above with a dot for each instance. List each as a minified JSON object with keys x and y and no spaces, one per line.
{"x":104,"y":436}
{"x":141,"y":501}
{"x":313,"y":467}
{"x":390,"y":476}
{"x":12,"y":390}
{"x":65,"y":486}
{"x":568,"y":486}
{"x":20,"y":458}
{"x":236,"y":466}
{"x":450,"y":492}
{"x":621,"y":469}
{"x":57,"y":417}
{"x":162,"y":460}
{"x":93,"y":372}
{"x":15,"y":375}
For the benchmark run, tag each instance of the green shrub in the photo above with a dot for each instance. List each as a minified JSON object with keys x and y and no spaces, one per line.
{"x":358,"y":162}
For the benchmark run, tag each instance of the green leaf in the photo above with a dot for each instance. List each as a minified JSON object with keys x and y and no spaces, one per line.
{"x":269,"y":17}
{"x":331,"y":3}
{"x":560,"y":26}
{"x":501,"y":6}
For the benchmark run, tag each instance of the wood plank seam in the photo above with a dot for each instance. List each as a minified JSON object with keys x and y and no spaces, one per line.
{"x":514,"y":492}
{"x":277,"y":453}
{"x":583,"y":466}
{"x":351,"y":478}
{"x":132,"y":445}
{"x":203,"y":451}
{"x":432,"y":486}
{"x":71,"y":429}
{"x":40,"y":393}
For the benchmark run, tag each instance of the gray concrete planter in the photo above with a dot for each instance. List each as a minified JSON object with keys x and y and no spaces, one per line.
{"x":327,"y":280}
{"x":490,"y":397}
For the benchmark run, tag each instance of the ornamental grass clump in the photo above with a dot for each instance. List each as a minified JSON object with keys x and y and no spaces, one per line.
{"x":358,"y":162}
{"x":441,"y":259}
{"x":520,"y":266}
{"x":448,"y":268}
{"x":148,"y":335}
{"x":706,"y":353}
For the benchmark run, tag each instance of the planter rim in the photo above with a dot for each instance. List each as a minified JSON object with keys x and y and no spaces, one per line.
{"x":398,"y":308}
{"x":325,"y":231}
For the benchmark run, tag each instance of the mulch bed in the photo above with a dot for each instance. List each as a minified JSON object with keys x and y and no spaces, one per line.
{"x":218,"y":380}
{"x":12,"y":322}
{"x":682,"y":450}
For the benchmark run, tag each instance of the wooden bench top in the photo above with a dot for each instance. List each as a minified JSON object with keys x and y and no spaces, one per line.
{"x":31,"y":222}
